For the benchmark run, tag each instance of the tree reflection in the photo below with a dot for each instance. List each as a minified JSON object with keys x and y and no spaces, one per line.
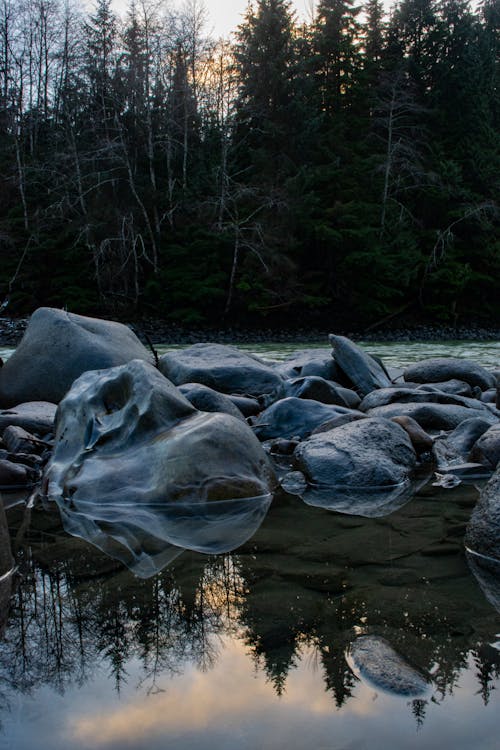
{"x":307,"y":579}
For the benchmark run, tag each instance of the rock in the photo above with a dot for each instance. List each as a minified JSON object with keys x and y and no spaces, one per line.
{"x":448,"y":368}
{"x":33,"y":416}
{"x":486,"y":450}
{"x":489,"y":396}
{"x":426,"y":395}
{"x":482,"y":536}
{"x":364,"y":372}
{"x":136,"y":467}
{"x":6,"y":570}
{"x":14,"y":475}
{"x":433,"y":416}
{"x":318,"y":389}
{"x":204,"y":398}
{"x":455,"y":447}
{"x":308,"y":362}
{"x":342,"y":419}
{"x":456,"y":387}
{"x":223,"y":368}
{"x":249,"y":407}
{"x":420,"y":439}
{"x":57,"y":348}
{"x":294,"y":417}
{"x":367,"y":453}
{"x":18,"y":440}
{"x":373,"y":660}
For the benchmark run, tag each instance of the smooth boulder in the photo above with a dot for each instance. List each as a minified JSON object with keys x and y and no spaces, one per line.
{"x":450,"y":368}
{"x":204,"y":398}
{"x":482,"y":536}
{"x":433,"y":416}
{"x":363,"y":371}
{"x":319,"y":389}
{"x":34,"y":416}
{"x":137,"y":466}
{"x":455,"y":447}
{"x":294,"y":417}
{"x":57,"y":347}
{"x":486,"y":450}
{"x":223,"y":368}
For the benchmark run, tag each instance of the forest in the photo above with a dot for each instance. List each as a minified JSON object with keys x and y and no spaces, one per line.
{"x":344,"y":168}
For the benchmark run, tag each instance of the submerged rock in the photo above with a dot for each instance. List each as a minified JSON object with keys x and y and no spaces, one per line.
{"x":375,"y":661}
{"x":136,"y":466}
{"x":455,"y":447}
{"x":482,"y":536}
{"x":486,"y":450}
{"x":57,"y":348}
{"x":370,"y":454}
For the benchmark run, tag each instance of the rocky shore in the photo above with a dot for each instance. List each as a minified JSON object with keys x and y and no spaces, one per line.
{"x":165,"y":332}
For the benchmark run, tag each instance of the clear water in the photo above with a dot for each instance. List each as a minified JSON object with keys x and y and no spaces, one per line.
{"x":250,"y":649}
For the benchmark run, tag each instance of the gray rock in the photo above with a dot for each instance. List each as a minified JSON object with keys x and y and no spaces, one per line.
{"x":455,"y":447}
{"x":57,"y":348}
{"x":204,"y":398}
{"x":364,"y":372}
{"x":223,"y":368}
{"x":375,"y":661}
{"x":482,"y":536}
{"x":448,"y":368}
{"x":489,"y":396}
{"x":294,"y":417}
{"x":307,"y":362}
{"x":486,"y":450}
{"x":249,"y":407}
{"x":454,"y":386}
{"x":33,"y":416}
{"x":319,"y":389}
{"x":368,"y":453}
{"x":13,"y":475}
{"x":340,"y":421}
{"x":433,"y":416}
{"x":426,"y":395}
{"x":136,"y":467}
{"x":6,"y":570}
{"x":18,"y":440}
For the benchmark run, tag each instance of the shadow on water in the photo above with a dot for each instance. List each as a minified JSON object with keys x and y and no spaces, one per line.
{"x":308,"y":578}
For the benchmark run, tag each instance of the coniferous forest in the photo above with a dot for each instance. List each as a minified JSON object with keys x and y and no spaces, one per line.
{"x":342,"y":169}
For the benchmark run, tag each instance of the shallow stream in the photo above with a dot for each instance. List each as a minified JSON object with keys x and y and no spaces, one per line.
{"x":257,"y":649}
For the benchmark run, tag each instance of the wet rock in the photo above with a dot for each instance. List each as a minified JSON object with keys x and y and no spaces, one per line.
{"x":424,"y":395}
{"x":14,"y":475}
{"x":455,"y":447}
{"x":340,"y":421}
{"x":249,"y":407}
{"x":33,"y":416}
{"x":223,"y":368}
{"x":368,"y":453}
{"x":294,"y":417}
{"x":376,"y":662}
{"x":448,"y":368}
{"x":483,"y":531}
{"x":486,"y":450}
{"x":18,"y":440}
{"x":318,"y":389}
{"x":204,"y":398}
{"x":489,"y":396}
{"x":57,"y":348}
{"x":317,"y":362}
{"x":420,"y":439}
{"x":433,"y":416}
{"x":364,"y":372}
{"x":136,"y":466}
{"x":456,"y":387}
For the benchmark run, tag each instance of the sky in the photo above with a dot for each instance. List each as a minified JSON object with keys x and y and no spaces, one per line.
{"x":225,"y":15}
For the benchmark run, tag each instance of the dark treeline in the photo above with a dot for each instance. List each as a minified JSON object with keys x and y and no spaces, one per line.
{"x":344,"y":169}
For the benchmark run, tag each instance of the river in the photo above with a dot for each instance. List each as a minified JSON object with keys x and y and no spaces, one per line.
{"x":259,"y":648}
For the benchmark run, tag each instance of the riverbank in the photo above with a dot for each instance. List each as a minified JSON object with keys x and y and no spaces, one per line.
{"x":164,"y":332}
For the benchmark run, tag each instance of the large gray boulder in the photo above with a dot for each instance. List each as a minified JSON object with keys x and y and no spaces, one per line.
{"x":223,"y":368}
{"x":367,"y":453}
{"x":448,"y":368}
{"x":294,"y":417}
{"x":57,"y":348}
{"x":136,"y":467}
{"x":363,"y":371}
{"x":482,"y":536}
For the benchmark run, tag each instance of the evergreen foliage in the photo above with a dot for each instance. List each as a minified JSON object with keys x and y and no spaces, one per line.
{"x":345,"y":170}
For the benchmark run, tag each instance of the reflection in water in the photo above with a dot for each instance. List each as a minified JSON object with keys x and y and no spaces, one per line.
{"x":148,"y":536}
{"x":200,"y":653}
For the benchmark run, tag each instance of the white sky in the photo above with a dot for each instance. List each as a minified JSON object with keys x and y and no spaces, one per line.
{"x":224,"y":15}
